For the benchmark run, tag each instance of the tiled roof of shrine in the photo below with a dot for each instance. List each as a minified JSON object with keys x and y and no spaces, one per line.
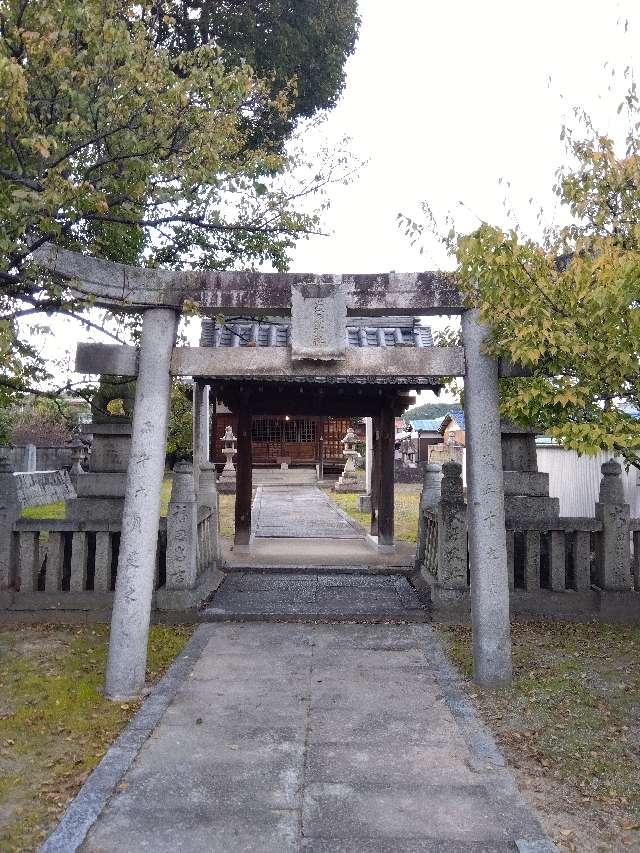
{"x":275,"y":331}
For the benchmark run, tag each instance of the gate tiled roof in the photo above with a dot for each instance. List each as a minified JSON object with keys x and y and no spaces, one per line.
{"x":274,"y":332}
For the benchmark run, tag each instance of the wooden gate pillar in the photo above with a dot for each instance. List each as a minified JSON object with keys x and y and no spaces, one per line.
{"x":485,"y":499}
{"x":368,"y":454}
{"x":320,"y":447}
{"x":386,"y":475}
{"x":141,"y":515}
{"x":200,"y":438}
{"x":376,"y":464}
{"x":244,"y":471}
{"x":213,"y":425}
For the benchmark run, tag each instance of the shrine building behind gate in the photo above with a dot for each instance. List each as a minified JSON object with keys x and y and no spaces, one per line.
{"x":300,"y":439}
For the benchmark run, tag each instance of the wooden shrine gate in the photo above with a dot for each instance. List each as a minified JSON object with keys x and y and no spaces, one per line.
{"x":317,"y":359}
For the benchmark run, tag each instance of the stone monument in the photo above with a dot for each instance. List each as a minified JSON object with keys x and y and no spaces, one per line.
{"x":100,"y":490}
{"x":526,"y":490}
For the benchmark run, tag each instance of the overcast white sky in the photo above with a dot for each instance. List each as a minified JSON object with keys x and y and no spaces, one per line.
{"x":444,"y":98}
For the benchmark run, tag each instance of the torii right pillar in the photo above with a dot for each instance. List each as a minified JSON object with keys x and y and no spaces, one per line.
{"x":485,"y":500}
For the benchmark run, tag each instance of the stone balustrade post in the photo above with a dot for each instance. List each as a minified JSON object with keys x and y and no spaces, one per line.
{"x":208,"y":496}
{"x":452,"y":529}
{"x":431,"y":486}
{"x":30,"y":462}
{"x":9,"y":513}
{"x":614,"y":551}
{"x":182,"y":530}
{"x":429,"y":498}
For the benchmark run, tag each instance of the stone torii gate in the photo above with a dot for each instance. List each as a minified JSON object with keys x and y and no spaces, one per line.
{"x":160,"y":296}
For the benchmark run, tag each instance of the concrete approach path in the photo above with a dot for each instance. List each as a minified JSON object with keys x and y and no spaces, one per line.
{"x":319,"y":738}
{"x":301,"y":525}
{"x":304,"y":512}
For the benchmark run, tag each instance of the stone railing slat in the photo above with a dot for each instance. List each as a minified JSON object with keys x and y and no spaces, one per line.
{"x":104,"y":556}
{"x":511,"y":558}
{"x":532,"y":560}
{"x":558,"y":560}
{"x":29,"y":561}
{"x":78,"y":580}
{"x":55,"y":560}
{"x":582,"y":559}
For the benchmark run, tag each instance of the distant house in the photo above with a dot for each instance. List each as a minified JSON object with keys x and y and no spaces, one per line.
{"x":427,"y":432}
{"x":452,"y":428}
{"x":400,"y":428}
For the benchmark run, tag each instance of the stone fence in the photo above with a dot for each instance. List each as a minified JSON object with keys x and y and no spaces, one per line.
{"x":66,"y":569}
{"x":559,"y":566}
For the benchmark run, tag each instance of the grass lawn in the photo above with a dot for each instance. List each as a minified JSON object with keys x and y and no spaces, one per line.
{"x":570,"y":727}
{"x":55,"y":725}
{"x":407,"y":502}
{"x":227,"y":509}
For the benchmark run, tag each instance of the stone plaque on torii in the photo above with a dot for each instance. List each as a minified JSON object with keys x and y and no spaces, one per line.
{"x":160,"y":294}
{"x":318,"y":321}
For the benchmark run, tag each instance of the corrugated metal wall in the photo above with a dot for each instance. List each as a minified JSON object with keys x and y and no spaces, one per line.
{"x":576,"y":480}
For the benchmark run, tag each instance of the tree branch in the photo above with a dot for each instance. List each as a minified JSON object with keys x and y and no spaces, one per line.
{"x":20,"y":179}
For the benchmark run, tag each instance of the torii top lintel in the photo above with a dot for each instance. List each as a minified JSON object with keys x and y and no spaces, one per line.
{"x":125,"y":288}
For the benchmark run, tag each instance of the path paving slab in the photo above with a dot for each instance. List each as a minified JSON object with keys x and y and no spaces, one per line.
{"x":327,"y":738}
{"x":302,"y":513}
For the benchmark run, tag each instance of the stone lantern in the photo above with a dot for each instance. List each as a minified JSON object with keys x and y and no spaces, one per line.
{"x":227,"y":481}
{"x":348,"y":481}
{"x":77,"y":457}
{"x":408,"y":450}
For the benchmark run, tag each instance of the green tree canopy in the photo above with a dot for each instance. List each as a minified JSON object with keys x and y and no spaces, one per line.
{"x":180,"y":431}
{"x":116,"y":144}
{"x":567,"y":306}
{"x":298,"y":46}
{"x":428,"y":411}
{"x":39,"y":421}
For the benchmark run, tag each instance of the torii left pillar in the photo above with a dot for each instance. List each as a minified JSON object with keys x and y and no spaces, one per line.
{"x":128,"y":641}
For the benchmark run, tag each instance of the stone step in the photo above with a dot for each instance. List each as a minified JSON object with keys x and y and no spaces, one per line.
{"x":400,"y":570}
{"x":289,"y":477}
{"x":314,"y":597}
